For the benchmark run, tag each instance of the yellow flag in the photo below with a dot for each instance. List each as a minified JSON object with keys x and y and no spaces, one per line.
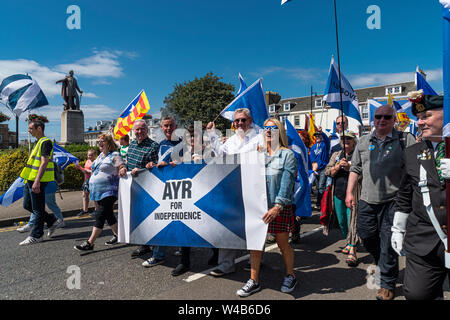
{"x":390,"y":101}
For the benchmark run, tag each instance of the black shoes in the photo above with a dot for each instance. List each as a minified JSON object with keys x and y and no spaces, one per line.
{"x":180,"y":269}
{"x":111,"y":241}
{"x":140,"y":251}
{"x":85,"y":246}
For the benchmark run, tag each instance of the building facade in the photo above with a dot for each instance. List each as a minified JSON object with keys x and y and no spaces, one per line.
{"x":7,"y":138}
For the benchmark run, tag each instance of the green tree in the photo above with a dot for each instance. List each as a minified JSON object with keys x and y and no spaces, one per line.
{"x":199,"y":100}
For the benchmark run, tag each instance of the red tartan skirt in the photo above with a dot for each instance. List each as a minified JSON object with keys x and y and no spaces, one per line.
{"x":284,"y":222}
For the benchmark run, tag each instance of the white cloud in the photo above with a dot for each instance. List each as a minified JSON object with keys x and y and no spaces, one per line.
{"x":373,"y":79}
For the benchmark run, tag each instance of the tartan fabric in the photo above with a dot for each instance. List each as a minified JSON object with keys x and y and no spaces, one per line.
{"x":440,"y":152}
{"x":284,"y":222}
{"x":139,"y":154}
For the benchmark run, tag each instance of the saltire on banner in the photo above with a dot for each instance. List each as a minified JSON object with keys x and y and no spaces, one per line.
{"x":21,"y":93}
{"x":136,"y":110}
{"x":218,"y":204}
{"x":15,"y":192}
{"x":252,"y":98}
{"x":446,"y":65}
{"x":302,"y":190}
{"x":332,"y":96}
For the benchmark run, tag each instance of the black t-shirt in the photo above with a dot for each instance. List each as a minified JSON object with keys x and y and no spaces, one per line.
{"x":341,"y":180}
{"x":46,"y":148}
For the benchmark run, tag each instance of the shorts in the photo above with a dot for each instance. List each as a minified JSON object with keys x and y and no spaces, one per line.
{"x":284,"y":222}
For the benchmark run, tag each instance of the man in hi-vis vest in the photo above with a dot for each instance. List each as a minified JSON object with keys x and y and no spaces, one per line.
{"x":38,"y":171}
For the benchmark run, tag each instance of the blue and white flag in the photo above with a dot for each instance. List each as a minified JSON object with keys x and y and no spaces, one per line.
{"x":423,"y":84}
{"x":242,"y":85}
{"x":15,"y":191}
{"x":332,"y":95}
{"x":252,"y":98}
{"x":284,"y":1}
{"x":218,"y":204}
{"x":20,"y":93}
{"x":302,"y":189}
{"x":446,"y":65}
{"x":229,"y":114}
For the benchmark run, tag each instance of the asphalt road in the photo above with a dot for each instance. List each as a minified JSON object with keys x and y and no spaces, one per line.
{"x":45,"y":270}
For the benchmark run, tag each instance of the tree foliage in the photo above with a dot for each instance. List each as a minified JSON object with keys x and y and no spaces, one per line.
{"x":199,"y":100}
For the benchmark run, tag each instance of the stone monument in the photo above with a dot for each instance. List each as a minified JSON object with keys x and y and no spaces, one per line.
{"x":72,"y":118}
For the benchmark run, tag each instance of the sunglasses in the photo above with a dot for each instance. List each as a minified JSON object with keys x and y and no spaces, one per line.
{"x":243,"y":120}
{"x":271,"y":128}
{"x":385,"y":116}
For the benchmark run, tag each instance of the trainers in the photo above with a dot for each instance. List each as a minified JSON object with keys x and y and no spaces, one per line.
{"x":180,"y":269}
{"x":289,"y":284}
{"x":52,"y":228}
{"x":25,"y":228}
{"x":112,"y":241}
{"x":249,"y":288}
{"x":82,"y":213}
{"x":85,"y":246}
{"x":152,"y":262}
{"x":30,"y":240}
{"x":217,"y":272}
{"x":141,"y":251}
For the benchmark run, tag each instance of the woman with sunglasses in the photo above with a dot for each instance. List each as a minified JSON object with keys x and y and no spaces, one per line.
{"x":281,"y":170}
{"x":338,"y":169}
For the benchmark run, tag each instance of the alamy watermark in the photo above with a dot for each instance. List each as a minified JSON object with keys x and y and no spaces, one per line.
{"x":74,"y":281}
{"x":374,"y":21}
{"x":74,"y":20}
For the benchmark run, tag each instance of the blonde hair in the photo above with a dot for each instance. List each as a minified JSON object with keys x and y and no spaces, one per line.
{"x":111,"y":146}
{"x":282,"y":137}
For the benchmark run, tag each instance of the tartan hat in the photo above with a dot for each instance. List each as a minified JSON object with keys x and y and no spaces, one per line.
{"x":422,"y":102}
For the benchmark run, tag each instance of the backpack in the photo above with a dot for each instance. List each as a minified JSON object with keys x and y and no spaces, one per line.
{"x":59,"y":174}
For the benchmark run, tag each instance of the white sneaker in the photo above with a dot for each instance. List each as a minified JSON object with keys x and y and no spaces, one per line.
{"x":52,"y":229}
{"x":30,"y":240}
{"x":25,"y":228}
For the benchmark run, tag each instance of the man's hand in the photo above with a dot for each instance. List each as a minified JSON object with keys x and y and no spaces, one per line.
{"x":134,"y":172}
{"x":445,"y":168}
{"x":349,"y":200}
{"x":36,"y":187}
{"x":150,"y":165}
{"x":123,"y":172}
{"x":211,"y":126}
{"x":161,"y":164}
{"x":398,"y":232}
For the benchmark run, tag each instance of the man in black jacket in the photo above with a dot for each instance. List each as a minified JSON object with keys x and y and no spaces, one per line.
{"x":421,"y":201}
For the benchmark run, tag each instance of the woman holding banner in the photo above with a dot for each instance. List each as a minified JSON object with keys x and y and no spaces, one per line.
{"x":281,"y":170}
{"x":103,"y":188}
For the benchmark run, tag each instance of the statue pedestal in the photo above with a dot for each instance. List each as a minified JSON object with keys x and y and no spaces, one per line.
{"x":72,"y":127}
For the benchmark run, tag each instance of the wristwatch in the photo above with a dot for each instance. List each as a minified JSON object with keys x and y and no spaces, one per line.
{"x":279,"y":206}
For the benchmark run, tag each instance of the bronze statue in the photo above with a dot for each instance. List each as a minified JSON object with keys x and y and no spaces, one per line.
{"x":69,"y":92}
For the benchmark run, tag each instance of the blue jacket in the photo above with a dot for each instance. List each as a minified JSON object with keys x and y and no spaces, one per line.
{"x":281,"y":170}
{"x":320,"y":152}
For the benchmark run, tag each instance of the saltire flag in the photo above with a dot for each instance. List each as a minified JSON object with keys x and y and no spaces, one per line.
{"x":332,"y":96}
{"x":252,"y":98}
{"x":229,"y":114}
{"x":446,"y":65}
{"x":20,"y":93}
{"x":136,"y":110}
{"x":15,"y":192}
{"x":423,"y":84}
{"x":284,"y":1}
{"x":302,"y":189}
{"x":242,"y":85}
{"x":216,"y":204}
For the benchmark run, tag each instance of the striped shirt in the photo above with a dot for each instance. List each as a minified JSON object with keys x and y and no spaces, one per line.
{"x":139,"y":154}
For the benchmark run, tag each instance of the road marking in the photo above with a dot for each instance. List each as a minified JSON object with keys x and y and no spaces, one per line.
{"x":247,"y":256}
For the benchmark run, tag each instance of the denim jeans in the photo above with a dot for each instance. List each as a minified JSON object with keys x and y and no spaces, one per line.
{"x":50,"y":201}
{"x":321,"y":185}
{"x":35,"y":203}
{"x":373,"y":224}
{"x":159,"y":252}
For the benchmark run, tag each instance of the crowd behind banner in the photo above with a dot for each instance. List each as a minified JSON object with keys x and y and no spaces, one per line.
{"x":363,"y":186}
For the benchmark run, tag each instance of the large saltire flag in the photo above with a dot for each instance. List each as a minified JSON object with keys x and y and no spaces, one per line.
{"x":284,"y":1}
{"x":332,"y":95}
{"x":229,"y":114}
{"x":302,"y":189}
{"x":15,"y":192}
{"x":446,"y":65}
{"x":136,"y":110}
{"x":217,"y":204}
{"x":21,"y":93}
{"x":252,"y":98}
{"x":423,"y":84}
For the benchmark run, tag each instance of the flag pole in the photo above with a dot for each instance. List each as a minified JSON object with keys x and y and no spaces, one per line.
{"x":339,"y":72}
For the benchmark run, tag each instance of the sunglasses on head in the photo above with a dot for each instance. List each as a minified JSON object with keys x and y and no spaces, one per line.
{"x":267,"y":128}
{"x":243,"y":120}
{"x":385,"y":116}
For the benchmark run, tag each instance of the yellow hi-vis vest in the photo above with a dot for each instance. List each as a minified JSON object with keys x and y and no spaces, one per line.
{"x":34,"y":162}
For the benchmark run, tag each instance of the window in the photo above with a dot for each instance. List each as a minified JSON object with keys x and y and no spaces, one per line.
{"x":297,"y":121}
{"x":365,"y":112}
{"x":283,"y":119}
{"x":394,"y":90}
{"x":272,"y":108}
{"x":318,"y":103}
{"x":287,"y":106}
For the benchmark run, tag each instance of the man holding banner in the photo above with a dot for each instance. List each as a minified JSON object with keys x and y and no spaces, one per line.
{"x":420,"y":209}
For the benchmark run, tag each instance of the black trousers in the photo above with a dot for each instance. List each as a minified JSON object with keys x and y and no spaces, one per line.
{"x":105,"y":212}
{"x":425,"y":276}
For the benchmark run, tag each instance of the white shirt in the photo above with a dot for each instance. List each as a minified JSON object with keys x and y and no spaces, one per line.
{"x":235,"y":144}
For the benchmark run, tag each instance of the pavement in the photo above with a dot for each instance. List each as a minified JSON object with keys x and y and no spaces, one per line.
{"x":70,"y":205}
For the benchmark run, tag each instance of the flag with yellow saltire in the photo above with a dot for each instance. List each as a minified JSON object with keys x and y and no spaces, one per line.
{"x":134,"y":111}
{"x":403,"y":119}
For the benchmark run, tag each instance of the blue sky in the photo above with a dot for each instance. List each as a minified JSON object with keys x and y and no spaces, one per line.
{"x":126,"y":46}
